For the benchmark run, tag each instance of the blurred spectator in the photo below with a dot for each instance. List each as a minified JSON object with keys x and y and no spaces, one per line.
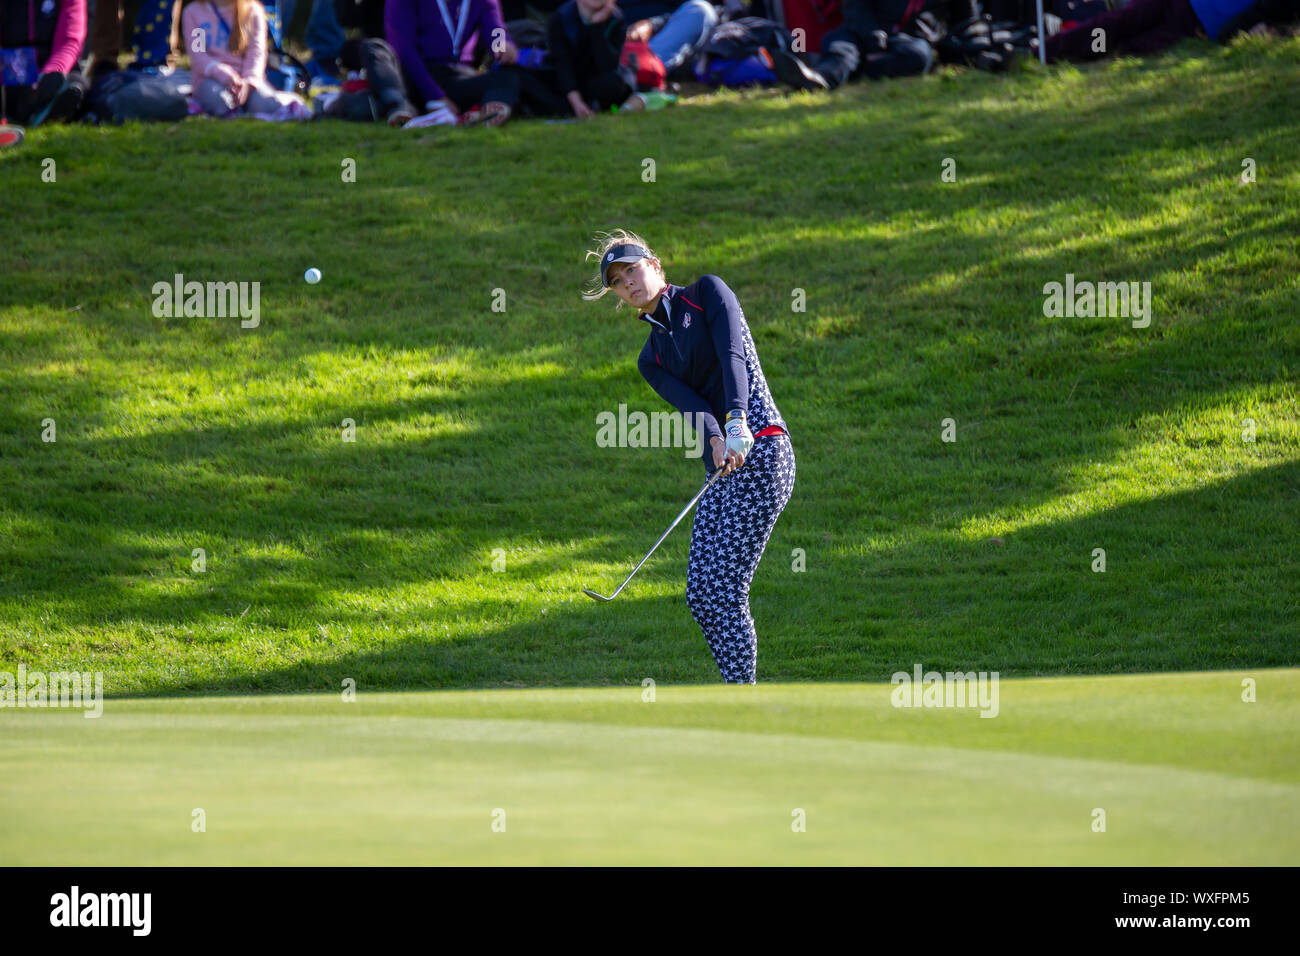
{"x":39,"y":44}
{"x":228,"y":61}
{"x":677,"y":35}
{"x":375,"y":63}
{"x":324,"y":37}
{"x":155,"y":39}
{"x":436,"y":43}
{"x":384,"y":95}
{"x":878,"y":38}
{"x":587,"y":40}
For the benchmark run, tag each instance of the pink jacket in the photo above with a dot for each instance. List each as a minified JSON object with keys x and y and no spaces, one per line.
{"x":65,"y":40}
{"x":216,"y":60}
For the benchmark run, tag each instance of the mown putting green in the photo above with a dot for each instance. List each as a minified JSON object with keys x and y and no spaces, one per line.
{"x":1186,"y":771}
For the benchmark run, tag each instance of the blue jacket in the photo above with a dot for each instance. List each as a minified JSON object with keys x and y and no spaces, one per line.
{"x":700,"y":357}
{"x":1215,"y":14}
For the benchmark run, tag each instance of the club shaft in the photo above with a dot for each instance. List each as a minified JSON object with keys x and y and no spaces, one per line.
{"x":691,"y":504}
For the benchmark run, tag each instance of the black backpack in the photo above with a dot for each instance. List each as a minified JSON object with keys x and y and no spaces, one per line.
{"x":742,"y":37}
{"x":284,"y":71}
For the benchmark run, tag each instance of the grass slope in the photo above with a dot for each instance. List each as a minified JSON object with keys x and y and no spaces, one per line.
{"x":476,"y":428}
{"x":1186,"y":772}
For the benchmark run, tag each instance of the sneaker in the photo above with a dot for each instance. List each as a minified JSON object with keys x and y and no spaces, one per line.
{"x":490,"y":114}
{"x":439,"y":117}
{"x":401,"y":114}
{"x":792,"y":71}
{"x":49,"y":90}
{"x":495,"y":114}
{"x":66,"y":105}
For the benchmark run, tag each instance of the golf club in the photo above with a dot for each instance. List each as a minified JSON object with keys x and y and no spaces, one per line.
{"x":699,"y":494}
{"x":9,"y":135}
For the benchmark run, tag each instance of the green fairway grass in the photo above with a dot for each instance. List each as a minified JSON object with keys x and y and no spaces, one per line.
{"x":447,"y":546}
{"x":1185,"y":771}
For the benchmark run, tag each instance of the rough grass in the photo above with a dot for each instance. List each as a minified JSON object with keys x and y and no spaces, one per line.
{"x":475,"y":428}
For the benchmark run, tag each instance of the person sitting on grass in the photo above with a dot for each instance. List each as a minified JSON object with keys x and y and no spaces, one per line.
{"x":879,"y":38}
{"x":1149,"y":26}
{"x":383,"y":96}
{"x":227,"y":46}
{"x":155,"y":39}
{"x":38,"y":52}
{"x":586,"y":40}
{"x":435,"y":42}
{"x":677,"y":35}
{"x":324,"y":37}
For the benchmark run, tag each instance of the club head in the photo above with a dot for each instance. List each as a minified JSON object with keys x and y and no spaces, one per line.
{"x":594,"y":596}
{"x":11,"y":136}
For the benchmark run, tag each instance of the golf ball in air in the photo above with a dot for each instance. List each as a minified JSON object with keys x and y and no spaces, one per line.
{"x":312,"y":276}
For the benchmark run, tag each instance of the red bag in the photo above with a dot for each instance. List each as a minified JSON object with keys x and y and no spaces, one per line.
{"x":637,"y":57}
{"x":815,"y":18}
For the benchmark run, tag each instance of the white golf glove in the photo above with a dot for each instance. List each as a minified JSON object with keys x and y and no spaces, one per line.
{"x":739,"y":438}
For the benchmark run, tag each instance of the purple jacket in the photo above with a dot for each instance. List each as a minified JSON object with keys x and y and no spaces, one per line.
{"x":417,"y":31}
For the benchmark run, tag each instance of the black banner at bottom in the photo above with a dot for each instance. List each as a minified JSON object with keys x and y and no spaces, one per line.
{"x":333,"y":905}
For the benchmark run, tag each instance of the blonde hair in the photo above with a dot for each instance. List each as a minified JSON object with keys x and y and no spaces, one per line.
{"x":606,"y":241}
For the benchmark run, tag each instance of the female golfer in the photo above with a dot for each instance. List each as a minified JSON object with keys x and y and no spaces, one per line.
{"x":700,"y":357}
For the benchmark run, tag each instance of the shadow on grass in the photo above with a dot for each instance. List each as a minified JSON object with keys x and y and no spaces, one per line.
{"x":1182,"y":589}
{"x":919,"y":323}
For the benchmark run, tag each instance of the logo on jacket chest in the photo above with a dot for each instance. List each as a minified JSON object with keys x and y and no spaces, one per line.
{"x":686,"y":321}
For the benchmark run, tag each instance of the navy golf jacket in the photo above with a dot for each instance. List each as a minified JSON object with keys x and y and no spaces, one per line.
{"x":701,"y":358}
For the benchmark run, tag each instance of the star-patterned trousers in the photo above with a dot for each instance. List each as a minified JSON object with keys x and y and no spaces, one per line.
{"x":732,"y":523}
